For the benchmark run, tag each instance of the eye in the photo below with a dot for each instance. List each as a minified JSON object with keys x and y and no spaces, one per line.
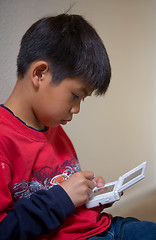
{"x":75,"y":96}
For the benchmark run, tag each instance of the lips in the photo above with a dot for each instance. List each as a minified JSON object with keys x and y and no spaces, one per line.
{"x":64,"y":122}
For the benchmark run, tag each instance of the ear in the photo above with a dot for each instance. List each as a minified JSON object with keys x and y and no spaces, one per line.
{"x":38,"y":72}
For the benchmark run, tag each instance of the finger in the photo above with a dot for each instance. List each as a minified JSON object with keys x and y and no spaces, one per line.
{"x":88,"y":174}
{"x":99,"y":181}
{"x":89,"y":192}
{"x":91,"y":184}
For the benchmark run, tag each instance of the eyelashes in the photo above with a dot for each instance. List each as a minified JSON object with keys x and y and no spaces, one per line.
{"x":76,"y":97}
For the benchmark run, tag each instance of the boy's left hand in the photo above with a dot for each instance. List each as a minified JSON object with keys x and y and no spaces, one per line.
{"x":100,"y":182}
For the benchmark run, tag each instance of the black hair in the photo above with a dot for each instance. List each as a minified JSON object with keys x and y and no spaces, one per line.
{"x":72,"y":48}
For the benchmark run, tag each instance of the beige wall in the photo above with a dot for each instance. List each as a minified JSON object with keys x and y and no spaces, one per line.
{"x":118,"y":131}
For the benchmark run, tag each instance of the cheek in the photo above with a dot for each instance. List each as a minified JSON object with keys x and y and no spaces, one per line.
{"x":50,"y":115}
{"x":52,"y":107}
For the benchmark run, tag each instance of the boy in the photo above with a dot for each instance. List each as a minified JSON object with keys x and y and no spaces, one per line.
{"x":43,"y":191}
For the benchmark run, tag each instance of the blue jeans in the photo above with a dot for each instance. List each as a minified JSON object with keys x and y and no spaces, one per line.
{"x":128,"y":229}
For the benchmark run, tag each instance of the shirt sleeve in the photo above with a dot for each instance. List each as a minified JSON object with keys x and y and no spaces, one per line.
{"x":44,"y":211}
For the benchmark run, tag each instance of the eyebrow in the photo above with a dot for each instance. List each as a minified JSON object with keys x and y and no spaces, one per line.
{"x":84,"y":91}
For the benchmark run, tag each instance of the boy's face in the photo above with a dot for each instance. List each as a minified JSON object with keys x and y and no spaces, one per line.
{"x":56,"y":103}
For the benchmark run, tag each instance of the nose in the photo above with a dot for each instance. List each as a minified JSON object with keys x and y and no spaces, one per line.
{"x":75,"y":109}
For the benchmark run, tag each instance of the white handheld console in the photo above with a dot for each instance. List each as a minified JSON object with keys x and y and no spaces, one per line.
{"x":113,"y":190}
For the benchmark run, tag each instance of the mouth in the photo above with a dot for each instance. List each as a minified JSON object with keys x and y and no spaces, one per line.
{"x":64,"y":122}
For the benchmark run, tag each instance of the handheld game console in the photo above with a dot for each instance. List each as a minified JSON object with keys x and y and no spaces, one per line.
{"x":113,"y":190}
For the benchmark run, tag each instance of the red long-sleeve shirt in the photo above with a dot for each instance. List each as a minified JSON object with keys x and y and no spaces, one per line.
{"x":32,"y":165}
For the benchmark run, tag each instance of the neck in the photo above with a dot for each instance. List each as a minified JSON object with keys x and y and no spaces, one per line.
{"x":19,"y":103}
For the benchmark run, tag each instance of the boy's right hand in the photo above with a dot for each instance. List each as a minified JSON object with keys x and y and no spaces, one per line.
{"x":79,"y":187}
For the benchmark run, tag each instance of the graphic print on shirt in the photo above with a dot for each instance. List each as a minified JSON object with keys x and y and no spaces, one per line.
{"x":46,"y":178}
